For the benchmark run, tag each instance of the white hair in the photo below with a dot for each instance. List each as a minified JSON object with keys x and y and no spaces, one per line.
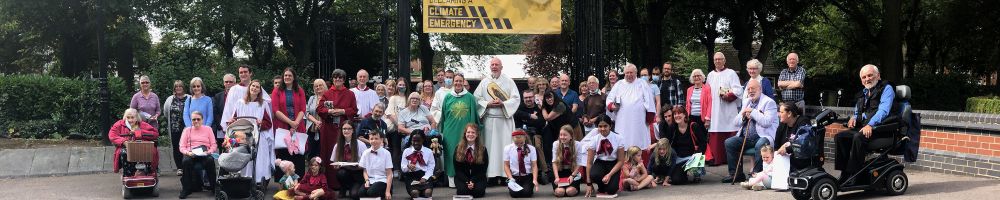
{"x":870,"y":66}
{"x":628,"y":66}
{"x":695,"y":72}
{"x":594,"y":79}
{"x":143,"y":78}
{"x":755,"y":63}
{"x":224,"y":77}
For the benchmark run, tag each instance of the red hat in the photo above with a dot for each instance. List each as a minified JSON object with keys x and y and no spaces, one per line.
{"x":518,"y":132}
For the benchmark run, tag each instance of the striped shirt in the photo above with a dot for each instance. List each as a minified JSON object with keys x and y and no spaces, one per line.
{"x":696,"y":102}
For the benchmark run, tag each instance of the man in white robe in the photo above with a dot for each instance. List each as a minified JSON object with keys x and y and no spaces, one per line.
{"x":629,"y":102}
{"x":366,"y":97}
{"x":441,"y":93}
{"x":720,"y":127}
{"x":498,"y":99}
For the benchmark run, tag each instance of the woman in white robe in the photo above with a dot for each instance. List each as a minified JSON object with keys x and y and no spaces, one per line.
{"x":254,"y":105}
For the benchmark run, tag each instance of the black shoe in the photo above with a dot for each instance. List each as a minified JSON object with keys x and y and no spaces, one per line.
{"x":184,"y":194}
{"x":730,"y":179}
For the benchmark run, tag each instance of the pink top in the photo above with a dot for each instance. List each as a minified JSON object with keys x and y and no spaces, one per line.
{"x":194,"y":137}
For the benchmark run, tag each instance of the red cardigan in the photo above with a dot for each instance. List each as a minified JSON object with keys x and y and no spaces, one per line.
{"x":706,"y":101}
{"x":119,"y":134}
{"x":298,"y":105}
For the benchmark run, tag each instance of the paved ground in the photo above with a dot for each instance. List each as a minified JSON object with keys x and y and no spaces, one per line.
{"x":924,"y":185}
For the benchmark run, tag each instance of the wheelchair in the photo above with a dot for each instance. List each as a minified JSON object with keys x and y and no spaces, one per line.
{"x":879,"y":173}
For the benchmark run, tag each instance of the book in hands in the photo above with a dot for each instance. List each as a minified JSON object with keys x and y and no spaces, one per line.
{"x":563,"y":182}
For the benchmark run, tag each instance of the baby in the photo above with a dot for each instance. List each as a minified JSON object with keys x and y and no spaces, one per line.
{"x":762,"y":180}
{"x":238,"y":138}
{"x":287,"y":182}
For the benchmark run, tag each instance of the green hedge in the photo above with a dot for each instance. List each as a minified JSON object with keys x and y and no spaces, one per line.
{"x":38,"y":106}
{"x":984,"y":104}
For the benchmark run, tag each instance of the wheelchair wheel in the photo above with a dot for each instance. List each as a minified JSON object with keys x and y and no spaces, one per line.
{"x":126,"y":194}
{"x":155,"y":192}
{"x":221,"y":195}
{"x":800,"y":194}
{"x":825,"y":189}
{"x":257,"y":195}
{"x":896,"y":183}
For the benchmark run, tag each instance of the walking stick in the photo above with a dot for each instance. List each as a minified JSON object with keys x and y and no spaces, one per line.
{"x":739,"y":156}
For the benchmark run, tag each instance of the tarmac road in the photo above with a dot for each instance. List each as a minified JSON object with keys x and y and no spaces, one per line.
{"x":923,"y":185}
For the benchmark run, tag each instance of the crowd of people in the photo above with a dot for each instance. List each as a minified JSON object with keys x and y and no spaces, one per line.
{"x":639,"y":130}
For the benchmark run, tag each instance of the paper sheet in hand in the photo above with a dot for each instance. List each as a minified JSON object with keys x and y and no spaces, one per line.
{"x":780,"y":167}
{"x":514,"y":186}
{"x":279,"y":139}
{"x":415,"y":183}
{"x":461,"y":197}
{"x":198,"y":152}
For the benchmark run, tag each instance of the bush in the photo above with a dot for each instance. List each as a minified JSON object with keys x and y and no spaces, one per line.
{"x":38,"y":106}
{"x":983,"y":104}
{"x":945,"y":92}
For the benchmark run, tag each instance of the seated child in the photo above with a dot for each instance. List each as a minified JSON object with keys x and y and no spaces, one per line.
{"x":238,"y":138}
{"x":762,"y":180}
{"x":313,"y":185}
{"x":521,"y":165}
{"x":660,"y":163}
{"x":288,"y":182}
{"x":636,"y":176}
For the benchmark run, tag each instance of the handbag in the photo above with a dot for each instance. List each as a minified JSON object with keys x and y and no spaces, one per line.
{"x":281,"y":134}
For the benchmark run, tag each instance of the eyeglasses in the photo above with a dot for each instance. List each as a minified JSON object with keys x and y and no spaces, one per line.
{"x":144,"y":82}
{"x":347,"y":129}
{"x":228,"y":81}
{"x":195,"y":119}
{"x":338,"y":77}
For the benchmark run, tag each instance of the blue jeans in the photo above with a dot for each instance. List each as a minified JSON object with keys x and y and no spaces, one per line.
{"x":733,"y":155}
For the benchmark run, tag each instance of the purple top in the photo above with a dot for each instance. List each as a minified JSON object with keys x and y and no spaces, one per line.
{"x":148,"y":104}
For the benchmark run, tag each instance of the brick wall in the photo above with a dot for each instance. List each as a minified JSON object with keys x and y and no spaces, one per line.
{"x":952,"y":151}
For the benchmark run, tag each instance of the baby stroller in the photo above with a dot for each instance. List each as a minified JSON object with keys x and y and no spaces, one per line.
{"x":139,"y":176}
{"x":231,"y":181}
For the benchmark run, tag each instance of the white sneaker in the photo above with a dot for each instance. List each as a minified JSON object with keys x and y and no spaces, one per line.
{"x":451,"y":182}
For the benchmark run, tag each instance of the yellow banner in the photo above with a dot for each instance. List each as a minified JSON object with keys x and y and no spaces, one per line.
{"x":493,"y":16}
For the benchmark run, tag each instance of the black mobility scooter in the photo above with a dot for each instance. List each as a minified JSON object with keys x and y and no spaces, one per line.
{"x":879,"y":172}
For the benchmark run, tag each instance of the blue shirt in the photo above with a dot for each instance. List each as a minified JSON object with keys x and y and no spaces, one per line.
{"x":203,"y":105}
{"x":571,"y":98}
{"x":884,"y":104}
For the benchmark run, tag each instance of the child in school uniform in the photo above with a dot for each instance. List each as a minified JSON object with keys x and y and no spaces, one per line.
{"x":418,"y":166}
{"x":349,"y":150}
{"x":521,"y":165}
{"x":565,"y":163}
{"x":377,"y":164}
{"x":607,"y":155}
{"x":471,"y":161}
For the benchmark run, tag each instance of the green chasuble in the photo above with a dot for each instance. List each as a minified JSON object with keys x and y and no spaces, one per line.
{"x":456,"y":112}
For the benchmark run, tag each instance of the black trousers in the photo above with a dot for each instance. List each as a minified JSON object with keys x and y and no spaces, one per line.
{"x":659,"y":171}
{"x":175,"y":140}
{"x":478,"y":188}
{"x":374,"y":190}
{"x":409,"y":177}
{"x":352,"y":182}
{"x":192,"y":179}
{"x":527,"y":185}
{"x":852,"y":147}
{"x":312,"y":145}
{"x":299,"y":161}
{"x":602,"y":168}
{"x":396,"y":148}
